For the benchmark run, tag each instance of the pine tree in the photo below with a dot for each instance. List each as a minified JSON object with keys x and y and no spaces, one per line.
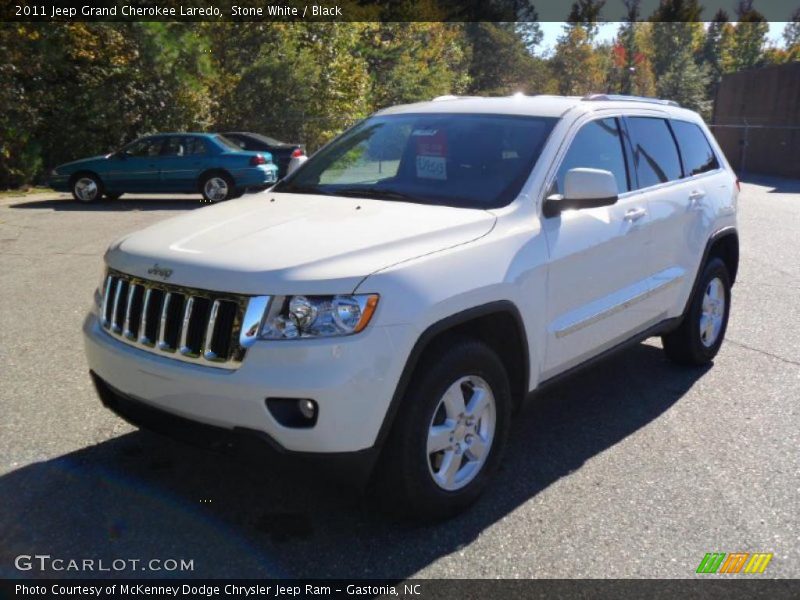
{"x":586,"y":13}
{"x":527,"y":27}
{"x":791,"y":37}
{"x":750,"y":36}
{"x":714,"y":54}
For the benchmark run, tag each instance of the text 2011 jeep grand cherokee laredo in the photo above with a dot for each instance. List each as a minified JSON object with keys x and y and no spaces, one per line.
{"x":396,"y":297}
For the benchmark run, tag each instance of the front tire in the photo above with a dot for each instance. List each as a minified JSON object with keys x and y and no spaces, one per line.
{"x":217,"y":187}
{"x":87,"y":188}
{"x":450,"y":433}
{"x":699,"y":337}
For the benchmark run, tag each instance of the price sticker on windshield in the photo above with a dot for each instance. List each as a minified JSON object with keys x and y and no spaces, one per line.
{"x":431,"y":153}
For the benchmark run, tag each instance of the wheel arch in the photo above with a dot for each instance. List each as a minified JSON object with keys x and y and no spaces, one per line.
{"x":82,"y":172}
{"x":723,"y":244}
{"x":499,"y":324}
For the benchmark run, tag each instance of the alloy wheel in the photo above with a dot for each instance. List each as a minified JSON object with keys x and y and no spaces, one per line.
{"x":461,"y":433}
{"x":712,"y":312}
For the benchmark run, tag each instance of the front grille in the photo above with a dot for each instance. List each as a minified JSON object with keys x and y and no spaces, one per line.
{"x":189,"y":324}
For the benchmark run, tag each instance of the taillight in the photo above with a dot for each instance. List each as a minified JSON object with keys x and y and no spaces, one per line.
{"x":258,"y":160}
{"x":298,"y":152}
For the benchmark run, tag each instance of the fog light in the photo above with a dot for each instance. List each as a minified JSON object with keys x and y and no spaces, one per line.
{"x":308,"y":408}
{"x":297,"y":413}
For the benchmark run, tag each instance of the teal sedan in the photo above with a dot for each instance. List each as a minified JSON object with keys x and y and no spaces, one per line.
{"x":170,"y":163}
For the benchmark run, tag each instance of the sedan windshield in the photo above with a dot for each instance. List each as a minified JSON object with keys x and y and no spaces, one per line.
{"x":460,"y":160}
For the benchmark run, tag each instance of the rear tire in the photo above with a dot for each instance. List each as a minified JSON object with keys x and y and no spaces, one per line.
{"x":87,"y":188}
{"x":448,"y":438}
{"x":699,"y":337}
{"x":217,"y":187}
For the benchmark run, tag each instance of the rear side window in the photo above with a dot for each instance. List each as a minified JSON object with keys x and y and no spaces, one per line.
{"x":598,"y":145}
{"x":696,"y":152}
{"x":195,"y":146}
{"x":654,"y":152}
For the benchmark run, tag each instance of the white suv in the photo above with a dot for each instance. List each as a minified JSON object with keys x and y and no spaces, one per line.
{"x":391,"y":302}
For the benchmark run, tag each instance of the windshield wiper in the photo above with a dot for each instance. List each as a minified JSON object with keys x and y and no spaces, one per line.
{"x":378,"y":194}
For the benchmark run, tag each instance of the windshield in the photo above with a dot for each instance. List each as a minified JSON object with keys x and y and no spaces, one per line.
{"x":460,"y":160}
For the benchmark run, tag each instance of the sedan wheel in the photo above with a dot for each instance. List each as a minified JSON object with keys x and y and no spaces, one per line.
{"x":216,"y":189}
{"x":86,"y":189}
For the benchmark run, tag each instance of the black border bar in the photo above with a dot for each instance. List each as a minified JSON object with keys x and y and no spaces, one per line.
{"x":348,"y":10}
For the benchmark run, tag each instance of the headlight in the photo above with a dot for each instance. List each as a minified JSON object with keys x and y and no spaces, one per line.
{"x":54,"y":173}
{"x":293,"y":317}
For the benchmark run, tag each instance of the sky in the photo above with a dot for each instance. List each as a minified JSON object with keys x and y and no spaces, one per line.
{"x":607,"y":31}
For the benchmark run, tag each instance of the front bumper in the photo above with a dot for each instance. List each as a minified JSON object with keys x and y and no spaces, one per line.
{"x":351,"y":378}
{"x":252,"y":446}
{"x":59,"y":183}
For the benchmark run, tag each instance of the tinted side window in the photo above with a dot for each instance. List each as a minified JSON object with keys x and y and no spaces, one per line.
{"x":145,"y":148}
{"x":195,"y":146}
{"x":654,"y":151}
{"x":598,"y":145}
{"x":174,"y":146}
{"x":696,"y":152}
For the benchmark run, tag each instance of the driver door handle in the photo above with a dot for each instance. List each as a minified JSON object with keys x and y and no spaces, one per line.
{"x":635,"y":214}
{"x":696,"y":195}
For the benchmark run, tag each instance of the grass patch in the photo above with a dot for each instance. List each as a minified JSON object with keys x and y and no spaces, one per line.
{"x":24,"y":192}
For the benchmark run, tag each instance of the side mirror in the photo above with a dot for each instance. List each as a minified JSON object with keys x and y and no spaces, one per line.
{"x":583,"y":188}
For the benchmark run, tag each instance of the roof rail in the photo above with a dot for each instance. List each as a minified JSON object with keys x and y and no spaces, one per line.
{"x":452,"y":97}
{"x":624,"y":98}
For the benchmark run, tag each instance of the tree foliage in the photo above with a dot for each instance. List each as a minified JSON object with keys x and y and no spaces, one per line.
{"x":76,"y":89}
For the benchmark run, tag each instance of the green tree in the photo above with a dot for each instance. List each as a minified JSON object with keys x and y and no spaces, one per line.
{"x":791,"y":32}
{"x":409,"y":62}
{"x":527,"y":26}
{"x":685,"y":82}
{"x":715,"y":52}
{"x":298,"y":81}
{"x":499,"y":62}
{"x":576,"y":66}
{"x":750,"y":36}
{"x":586,"y":14}
{"x":628,"y":60}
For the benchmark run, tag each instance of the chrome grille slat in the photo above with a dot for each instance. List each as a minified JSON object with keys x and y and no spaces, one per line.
{"x":143,"y":339}
{"x":187,"y":316}
{"x":208,"y":353}
{"x":106,"y":299}
{"x":115,"y":311}
{"x":126,"y":328}
{"x":162,"y":328}
{"x":192,"y":325}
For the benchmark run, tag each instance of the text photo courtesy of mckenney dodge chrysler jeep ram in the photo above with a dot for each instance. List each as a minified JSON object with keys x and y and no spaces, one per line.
{"x":391,"y":302}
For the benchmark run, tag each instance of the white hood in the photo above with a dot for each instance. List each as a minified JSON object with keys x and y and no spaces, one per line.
{"x":293,"y":244}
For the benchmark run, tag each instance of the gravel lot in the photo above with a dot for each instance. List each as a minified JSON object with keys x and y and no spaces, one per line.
{"x":635,"y":468}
